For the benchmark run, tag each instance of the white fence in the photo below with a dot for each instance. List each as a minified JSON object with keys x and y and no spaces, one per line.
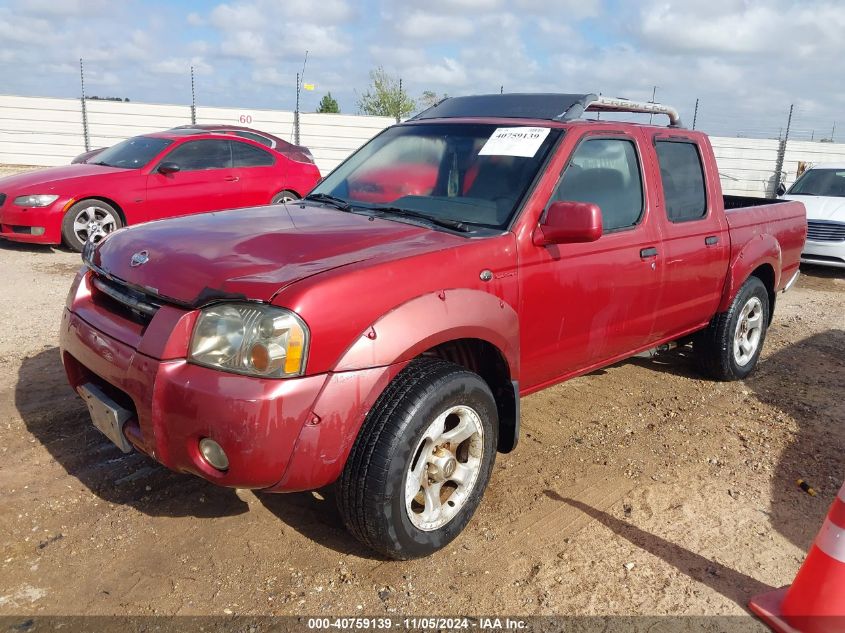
{"x":46,"y":132}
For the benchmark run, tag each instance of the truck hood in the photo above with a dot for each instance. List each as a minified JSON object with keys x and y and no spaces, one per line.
{"x":822,"y":207}
{"x":48,"y":180}
{"x":254,"y":253}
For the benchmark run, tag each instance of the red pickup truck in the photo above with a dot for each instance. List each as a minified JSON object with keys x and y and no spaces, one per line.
{"x":379,"y":333}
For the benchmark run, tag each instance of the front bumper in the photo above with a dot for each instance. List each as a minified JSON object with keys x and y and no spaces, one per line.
{"x":285,"y":435}
{"x":824,"y":254}
{"x":16,"y":223}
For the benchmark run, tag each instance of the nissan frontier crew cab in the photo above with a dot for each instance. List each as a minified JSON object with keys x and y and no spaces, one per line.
{"x":378,"y":334}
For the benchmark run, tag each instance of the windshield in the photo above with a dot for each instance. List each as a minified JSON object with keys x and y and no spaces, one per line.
{"x":457,"y":172}
{"x":132,"y":153}
{"x":820,"y":182}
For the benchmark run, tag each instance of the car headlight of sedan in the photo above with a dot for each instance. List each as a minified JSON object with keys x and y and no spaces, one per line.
{"x":36,"y":200}
{"x":250,"y":338}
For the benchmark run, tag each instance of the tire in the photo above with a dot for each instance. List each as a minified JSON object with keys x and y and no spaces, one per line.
{"x":730,"y":346}
{"x":284,"y":197}
{"x":102,"y":218}
{"x":396,"y":450}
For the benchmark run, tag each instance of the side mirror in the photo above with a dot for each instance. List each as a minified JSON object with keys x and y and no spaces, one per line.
{"x":168,"y":168}
{"x":781,"y":189}
{"x":568,"y":223}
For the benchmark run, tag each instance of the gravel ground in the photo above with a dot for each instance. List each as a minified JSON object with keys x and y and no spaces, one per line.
{"x":638,"y":489}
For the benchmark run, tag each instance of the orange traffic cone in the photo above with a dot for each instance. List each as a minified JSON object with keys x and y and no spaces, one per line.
{"x":815,"y":602}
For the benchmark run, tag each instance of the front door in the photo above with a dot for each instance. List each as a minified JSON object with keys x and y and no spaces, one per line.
{"x":206,"y":180}
{"x":584,"y":304}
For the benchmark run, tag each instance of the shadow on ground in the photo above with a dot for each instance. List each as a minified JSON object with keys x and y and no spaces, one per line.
{"x":57,"y":417}
{"x":730,"y":583}
{"x":805,"y":381}
{"x":316,"y":517}
{"x":23,"y":247}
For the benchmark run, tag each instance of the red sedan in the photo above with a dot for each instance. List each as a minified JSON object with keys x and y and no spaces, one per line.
{"x":161,"y":175}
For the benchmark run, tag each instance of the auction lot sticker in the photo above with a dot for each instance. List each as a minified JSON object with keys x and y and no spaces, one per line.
{"x":515,"y":141}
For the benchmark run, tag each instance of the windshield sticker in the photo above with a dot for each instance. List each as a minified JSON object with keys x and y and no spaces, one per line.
{"x":515,"y":141}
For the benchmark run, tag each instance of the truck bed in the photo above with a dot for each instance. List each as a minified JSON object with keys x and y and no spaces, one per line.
{"x":750,"y":218}
{"x":743,"y":202}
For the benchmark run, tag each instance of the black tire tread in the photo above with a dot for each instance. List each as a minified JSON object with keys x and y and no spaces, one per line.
{"x":712,"y":346}
{"x":366,"y":463}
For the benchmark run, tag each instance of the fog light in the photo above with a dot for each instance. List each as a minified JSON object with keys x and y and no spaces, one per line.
{"x":38,"y":230}
{"x":214,"y":453}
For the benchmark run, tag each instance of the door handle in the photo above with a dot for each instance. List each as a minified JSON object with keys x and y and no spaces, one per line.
{"x":711,"y":240}
{"x":645,"y":253}
{"x":232,"y":178}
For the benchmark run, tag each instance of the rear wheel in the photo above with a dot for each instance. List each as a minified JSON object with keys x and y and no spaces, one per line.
{"x":283,"y":197}
{"x":422,"y":460}
{"x":730,"y":347}
{"x":88,"y":220}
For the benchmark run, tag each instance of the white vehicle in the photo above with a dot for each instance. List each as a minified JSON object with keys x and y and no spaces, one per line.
{"x":822,"y":190}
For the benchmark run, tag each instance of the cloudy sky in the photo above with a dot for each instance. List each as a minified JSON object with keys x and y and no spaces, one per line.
{"x":746,"y":60}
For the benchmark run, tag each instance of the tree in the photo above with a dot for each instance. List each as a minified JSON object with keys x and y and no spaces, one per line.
{"x":328,"y":104}
{"x":430,"y":98}
{"x":385,"y":96}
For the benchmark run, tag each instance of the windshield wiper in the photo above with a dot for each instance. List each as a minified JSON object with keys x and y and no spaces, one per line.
{"x":327,"y":198}
{"x":455,"y":225}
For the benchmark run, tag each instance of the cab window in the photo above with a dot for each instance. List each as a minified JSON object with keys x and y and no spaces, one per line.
{"x":605,"y":172}
{"x":683,"y":180}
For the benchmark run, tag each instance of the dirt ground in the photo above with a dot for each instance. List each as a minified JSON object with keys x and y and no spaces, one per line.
{"x":638,"y":489}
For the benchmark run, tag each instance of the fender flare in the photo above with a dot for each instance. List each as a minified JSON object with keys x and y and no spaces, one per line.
{"x":376,"y":357}
{"x":432,"y":319}
{"x":761,"y":250}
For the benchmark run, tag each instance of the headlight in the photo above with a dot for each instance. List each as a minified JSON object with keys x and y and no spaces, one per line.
{"x":36,"y":200}
{"x":250,"y":338}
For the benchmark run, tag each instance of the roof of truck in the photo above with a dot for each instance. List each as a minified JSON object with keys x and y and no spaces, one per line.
{"x":562,"y":107}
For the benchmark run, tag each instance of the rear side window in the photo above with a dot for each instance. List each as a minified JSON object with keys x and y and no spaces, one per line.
{"x":255,"y":137}
{"x":683,"y":180}
{"x":250,"y":156}
{"x":200,"y":155}
{"x":605,"y":172}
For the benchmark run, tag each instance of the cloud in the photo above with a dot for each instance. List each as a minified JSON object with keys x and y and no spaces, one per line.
{"x":427,"y":26}
{"x":746,"y":60}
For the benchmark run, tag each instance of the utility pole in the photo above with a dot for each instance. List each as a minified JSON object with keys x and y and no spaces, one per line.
{"x":653,"y":93}
{"x":832,"y":131}
{"x":781,"y":154}
{"x":399,"y":101}
{"x":296,"y":114}
{"x":695,"y":114}
{"x":84,"y":108}
{"x":300,"y":77}
{"x":502,"y":89}
{"x":193,"y":100}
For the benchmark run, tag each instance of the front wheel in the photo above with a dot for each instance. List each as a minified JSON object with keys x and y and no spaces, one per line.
{"x":421,"y":462}
{"x":88,"y":220}
{"x":730,"y":347}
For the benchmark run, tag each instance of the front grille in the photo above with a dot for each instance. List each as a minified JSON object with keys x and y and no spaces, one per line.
{"x":2,"y":199}
{"x":120,"y":298}
{"x":825,"y":231}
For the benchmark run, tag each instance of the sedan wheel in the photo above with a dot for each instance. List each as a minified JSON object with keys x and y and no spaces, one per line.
{"x":89,"y":220}
{"x":283,"y":197}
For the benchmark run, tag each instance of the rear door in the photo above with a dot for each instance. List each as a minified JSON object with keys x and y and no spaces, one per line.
{"x":696,"y":243}
{"x":206,"y":180}
{"x":259,"y":176}
{"x":583,"y":304}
